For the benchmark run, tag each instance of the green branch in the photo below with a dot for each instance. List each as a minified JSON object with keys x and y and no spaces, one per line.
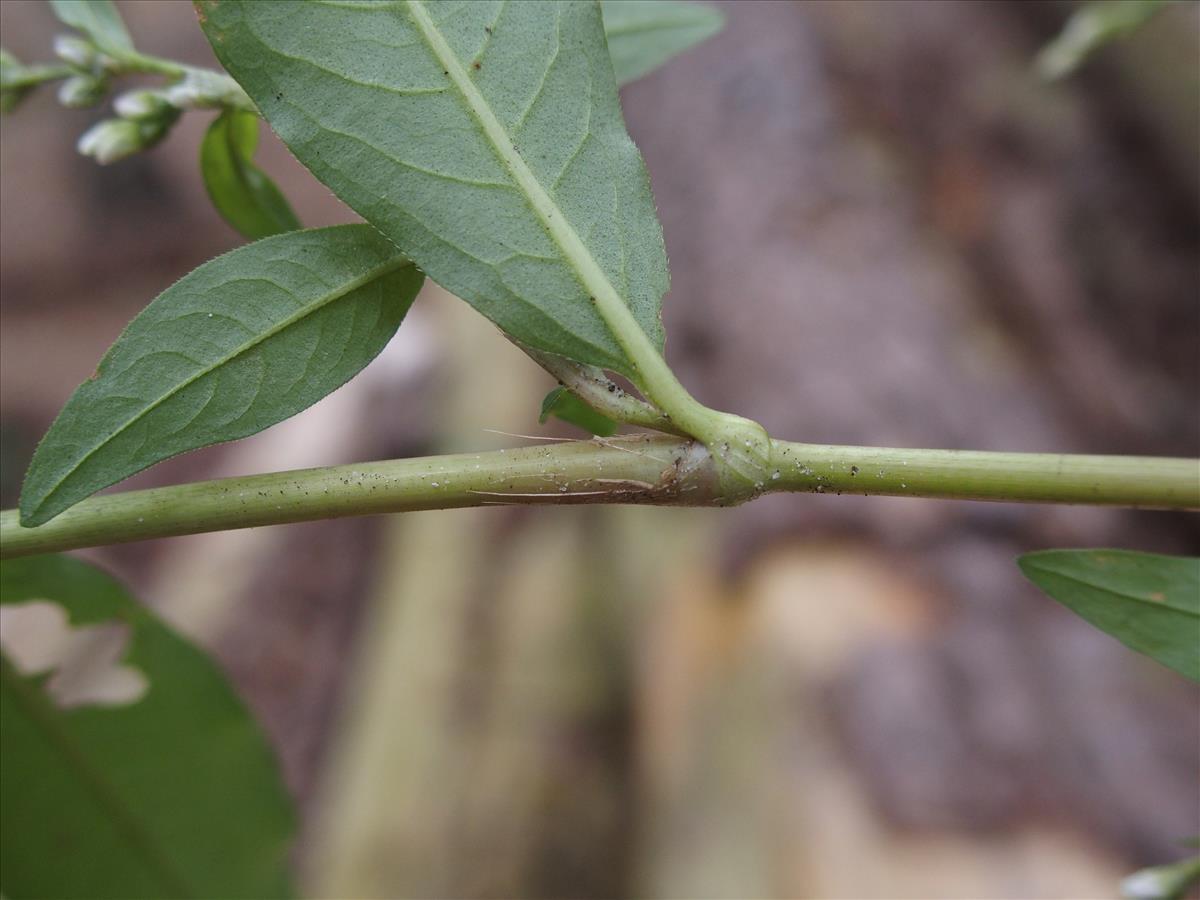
{"x":1138,"y":481}
{"x":656,"y":470}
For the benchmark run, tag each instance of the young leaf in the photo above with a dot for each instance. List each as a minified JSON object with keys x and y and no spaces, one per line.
{"x":245,"y":341}
{"x":644,"y":34}
{"x":1091,"y":27}
{"x":98,"y":19}
{"x":485,"y":139}
{"x":245,"y":197}
{"x":1149,"y":603}
{"x":170,"y":794}
{"x":562,"y":404}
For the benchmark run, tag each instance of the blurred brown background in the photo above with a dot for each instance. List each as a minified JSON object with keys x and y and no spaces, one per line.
{"x":882,"y":229}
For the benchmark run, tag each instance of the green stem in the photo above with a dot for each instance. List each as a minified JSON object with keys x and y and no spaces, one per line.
{"x":1139,"y":481}
{"x":134,"y":62}
{"x":212,"y":90}
{"x":32,"y":76}
{"x":656,"y":470}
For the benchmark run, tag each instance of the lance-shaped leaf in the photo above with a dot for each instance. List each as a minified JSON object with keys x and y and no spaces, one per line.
{"x":485,"y":139}
{"x":98,"y":19}
{"x":644,"y":34}
{"x":1148,"y":602}
{"x":245,"y":341}
{"x":130,"y":768}
{"x":245,"y":197}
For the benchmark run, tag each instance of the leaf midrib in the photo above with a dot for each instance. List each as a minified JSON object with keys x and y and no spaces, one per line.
{"x":612,"y":309}
{"x":300,"y":314}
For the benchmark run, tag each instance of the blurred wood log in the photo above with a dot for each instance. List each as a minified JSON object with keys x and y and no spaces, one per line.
{"x":751,"y":790}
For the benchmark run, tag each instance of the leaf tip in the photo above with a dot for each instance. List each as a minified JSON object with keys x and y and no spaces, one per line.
{"x":31,"y":510}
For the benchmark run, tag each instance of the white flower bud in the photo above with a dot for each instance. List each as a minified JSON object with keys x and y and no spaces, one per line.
{"x":111,"y":140}
{"x":185,"y":94}
{"x":199,"y":89}
{"x":75,"y":51}
{"x":80,"y":90}
{"x":140,"y":105}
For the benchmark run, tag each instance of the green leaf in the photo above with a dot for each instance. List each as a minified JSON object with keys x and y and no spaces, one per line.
{"x":562,"y":404}
{"x":644,"y":34}
{"x":245,"y":341}
{"x":485,"y":139}
{"x":98,"y":19}
{"x":245,"y":197}
{"x":1149,"y":603}
{"x":1090,"y":28}
{"x":173,"y":794}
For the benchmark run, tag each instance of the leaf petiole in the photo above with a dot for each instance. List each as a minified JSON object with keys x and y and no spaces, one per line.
{"x":741,"y":449}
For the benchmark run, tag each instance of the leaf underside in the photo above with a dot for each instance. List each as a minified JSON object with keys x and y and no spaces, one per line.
{"x":173,"y":795}
{"x":1148,"y":602}
{"x":420,"y":116}
{"x":244,"y":341}
{"x":643,"y":35}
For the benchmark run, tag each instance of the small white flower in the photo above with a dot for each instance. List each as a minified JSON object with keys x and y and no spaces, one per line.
{"x":80,"y":90}
{"x":111,"y":140}
{"x":75,"y":51}
{"x":140,"y":104}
